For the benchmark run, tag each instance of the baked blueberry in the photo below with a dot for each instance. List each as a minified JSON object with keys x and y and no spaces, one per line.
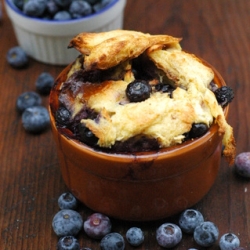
{"x":67,"y":222}
{"x":168,"y":235}
{"x":44,"y":83}
{"x":197,"y":130}
{"x":67,"y":201}
{"x":17,"y":57}
{"x":62,"y":116}
{"x":79,"y":8}
{"x":135,"y":236}
{"x":35,"y":119}
{"x":189,"y":220}
{"x":138,"y":91}
{"x":68,"y":243}
{"x":112,"y":241}
{"x":206,"y":234}
{"x":242,"y":164}
{"x":27,"y":99}
{"x":34,"y":8}
{"x":62,"y":15}
{"x":224,"y":95}
{"x":229,"y":241}
{"x":97,"y":226}
{"x":86,"y":135}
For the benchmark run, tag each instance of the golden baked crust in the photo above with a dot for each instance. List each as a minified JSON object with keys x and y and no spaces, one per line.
{"x":161,"y":117}
{"x":108,"y":49}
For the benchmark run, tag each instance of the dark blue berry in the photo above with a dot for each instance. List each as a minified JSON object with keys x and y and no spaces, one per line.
{"x":138,"y":91}
{"x":224,"y":95}
{"x":206,"y":234}
{"x":100,"y":5}
{"x":229,"y":241}
{"x":44,"y":83}
{"x":63,"y":3}
{"x":242,"y":164}
{"x":67,"y":201}
{"x":97,"y":226}
{"x":92,"y":2}
{"x":17,"y":57}
{"x":197,"y":130}
{"x":62,"y":15}
{"x":28,"y":99}
{"x":62,"y":116}
{"x":112,"y":241}
{"x":189,"y":220}
{"x":68,"y":243}
{"x":86,"y":135}
{"x":168,"y":235}
{"x":19,"y":4}
{"x":164,"y":88}
{"x":67,"y":222}
{"x":34,"y":8}
{"x":135,"y":236}
{"x":52,"y":8}
{"x":35,"y":119}
{"x":80,"y":8}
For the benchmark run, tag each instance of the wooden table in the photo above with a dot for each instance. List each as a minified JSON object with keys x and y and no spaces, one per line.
{"x":30,"y":180}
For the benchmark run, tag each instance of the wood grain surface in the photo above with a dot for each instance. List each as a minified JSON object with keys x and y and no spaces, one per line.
{"x":30,"y":180}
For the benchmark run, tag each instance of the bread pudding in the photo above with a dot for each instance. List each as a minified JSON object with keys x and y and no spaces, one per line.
{"x":131,"y":92}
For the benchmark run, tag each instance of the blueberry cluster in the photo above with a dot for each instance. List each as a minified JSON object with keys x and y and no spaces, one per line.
{"x":67,"y":224}
{"x":60,"y":10}
{"x":35,"y":117}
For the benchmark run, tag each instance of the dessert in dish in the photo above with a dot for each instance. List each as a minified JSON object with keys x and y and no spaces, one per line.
{"x":132,"y":92}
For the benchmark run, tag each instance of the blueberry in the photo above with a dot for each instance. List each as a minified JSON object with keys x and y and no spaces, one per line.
{"x":19,"y":4}
{"x":62,"y":15}
{"x":102,"y":4}
{"x":206,"y":234}
{"x":164,"y":88}
{"x":97,"y":226}
{"x":224,"y":95}
{"x":135,"y":236}
{"x":44,"y":83}
{"x":17,"y":57}
{"x":67,"y":201}
{"x":112,"y":241}
{"x":168,"y":235}
{"x":63,"y":3}
{"x":138,"y":91}
{"x":35,"y":119}
{"x":229,"y":241}
{"x":68,"y":243}
{"x":27,"y":99}
{"x":189,"y":220}
{"x":52,"y":8}
{"x":34,"y":8}
{"x":67,"y":222}
{"x":86,"y":135}
{"x":92,"y":2}
{"x":62,"y":116}
{"x":197,"y":130}
{"x":80,"y":8}
{"x":242,"y":164}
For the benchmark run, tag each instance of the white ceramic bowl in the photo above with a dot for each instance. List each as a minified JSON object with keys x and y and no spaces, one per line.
{"x":46,"y":41}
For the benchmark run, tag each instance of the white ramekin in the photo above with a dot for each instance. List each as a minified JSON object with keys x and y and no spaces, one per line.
{"x":47,"y":41}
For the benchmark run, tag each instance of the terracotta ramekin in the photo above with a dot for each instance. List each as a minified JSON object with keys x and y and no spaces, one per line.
{"x":142,"y":186}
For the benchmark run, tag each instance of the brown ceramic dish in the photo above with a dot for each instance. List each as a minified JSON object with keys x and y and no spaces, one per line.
{"x":140,"y":186}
